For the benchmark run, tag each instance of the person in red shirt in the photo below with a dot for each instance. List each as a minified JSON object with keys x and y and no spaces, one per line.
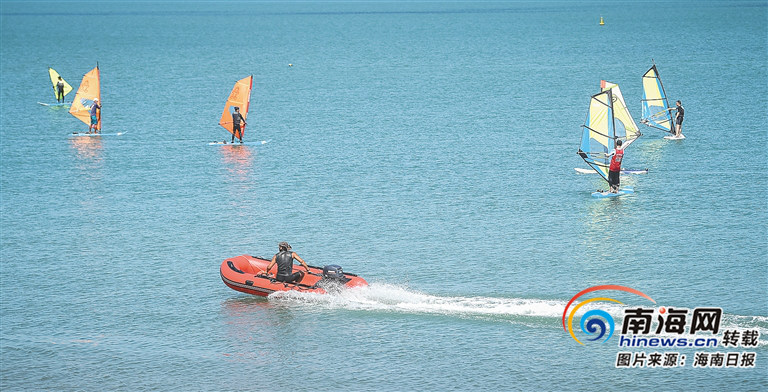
{"x":614,"y":170}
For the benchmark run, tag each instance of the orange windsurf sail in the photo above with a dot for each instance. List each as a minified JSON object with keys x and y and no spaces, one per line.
{"x":89,"y":89}
{"x":239,"y":97}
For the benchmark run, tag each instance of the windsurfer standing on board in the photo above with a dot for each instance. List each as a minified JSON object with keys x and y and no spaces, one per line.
{"x":95,"y":114}
{"x":284,"y":261}
{"x":614,"y":170}
{"x":678,"y":117}
{"x":236,"y":131}
{"x":60,"y":90}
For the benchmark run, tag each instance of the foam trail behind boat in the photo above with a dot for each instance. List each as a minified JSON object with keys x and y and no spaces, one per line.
{"x":383,"y":297}
{"x":394,"y":298}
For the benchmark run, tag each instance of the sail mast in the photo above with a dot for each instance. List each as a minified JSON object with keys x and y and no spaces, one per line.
{"x":247,"y":104}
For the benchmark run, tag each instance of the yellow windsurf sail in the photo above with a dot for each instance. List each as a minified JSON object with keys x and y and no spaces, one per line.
{"x":55,"y":80}
{"x":239,"y":97}
{"x":625,"y":127}
{"x":655,"y":104}
{"x":598,"y":137}
{"x":89,"y":89}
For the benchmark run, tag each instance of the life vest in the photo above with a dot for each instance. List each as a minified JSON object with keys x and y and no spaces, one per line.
{"x":236,"y":119}
{"x":284,"y":262}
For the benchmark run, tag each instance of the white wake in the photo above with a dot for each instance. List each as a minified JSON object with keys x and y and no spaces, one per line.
{"x":383,"y":297}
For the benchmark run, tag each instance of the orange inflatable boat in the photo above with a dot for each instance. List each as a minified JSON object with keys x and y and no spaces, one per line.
{"x":246,"y":274}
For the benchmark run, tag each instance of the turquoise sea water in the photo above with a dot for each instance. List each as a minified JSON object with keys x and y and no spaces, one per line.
{"x":428,"y":147}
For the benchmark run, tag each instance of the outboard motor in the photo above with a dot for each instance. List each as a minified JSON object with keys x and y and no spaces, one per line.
{"x":333,"y":279}
{"x":333,"y":272}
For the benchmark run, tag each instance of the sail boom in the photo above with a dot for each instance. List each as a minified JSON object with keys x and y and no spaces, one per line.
{"x":659,"y":128}
{"x":599,"y":133}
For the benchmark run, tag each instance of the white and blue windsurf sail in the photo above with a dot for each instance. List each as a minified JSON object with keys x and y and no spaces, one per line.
{"x":626,"y":129}
{"x":655,"y":103}
{"x":599,"y":133}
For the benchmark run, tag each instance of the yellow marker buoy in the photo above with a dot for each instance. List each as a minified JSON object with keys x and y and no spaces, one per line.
{"x":601,"y":21}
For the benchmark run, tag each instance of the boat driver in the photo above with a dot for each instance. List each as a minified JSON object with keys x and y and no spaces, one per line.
{"x":284,"y":260}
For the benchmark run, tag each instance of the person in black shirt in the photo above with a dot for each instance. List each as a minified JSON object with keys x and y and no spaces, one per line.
{"x":236,"y":119}
{"x":284,"y":261}
{"x":678,"y":120}
{"x":60,"y":90}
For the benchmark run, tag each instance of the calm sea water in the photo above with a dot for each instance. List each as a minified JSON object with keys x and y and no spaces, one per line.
{"x":428,"y":147}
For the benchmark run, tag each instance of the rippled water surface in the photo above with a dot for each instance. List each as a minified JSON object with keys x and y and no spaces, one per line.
{"x":428,"y":147}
